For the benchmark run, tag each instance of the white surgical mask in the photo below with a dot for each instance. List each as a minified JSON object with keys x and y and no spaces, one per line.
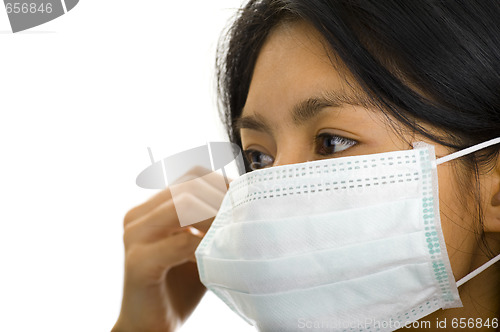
{"x":343,"y":244}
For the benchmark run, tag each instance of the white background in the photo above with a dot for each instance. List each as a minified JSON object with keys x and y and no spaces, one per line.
{"x":81,"y":98}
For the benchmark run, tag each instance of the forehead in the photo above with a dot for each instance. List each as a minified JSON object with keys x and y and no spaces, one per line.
{"x":294,"y":65}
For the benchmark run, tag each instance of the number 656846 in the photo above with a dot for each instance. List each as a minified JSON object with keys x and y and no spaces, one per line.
{"x":28,"y":8}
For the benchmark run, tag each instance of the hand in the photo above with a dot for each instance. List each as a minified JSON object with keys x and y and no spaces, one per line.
{"x":161,"y":286}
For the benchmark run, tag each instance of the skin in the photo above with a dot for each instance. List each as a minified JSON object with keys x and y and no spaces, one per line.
{"x":161,"y":286}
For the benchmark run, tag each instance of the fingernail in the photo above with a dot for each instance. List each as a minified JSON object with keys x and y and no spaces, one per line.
{"x":196,"y":232}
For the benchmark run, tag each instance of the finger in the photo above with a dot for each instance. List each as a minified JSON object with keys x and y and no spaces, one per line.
{"x":199,"y":171}
{"x":191,"y":209}
{"x":163,"y":221}
{"x":148,"y":206}
{"x":204,"y":188}
{"x":212,"y":178}
{"x":204,"y":225}
{"x":152,"y":261}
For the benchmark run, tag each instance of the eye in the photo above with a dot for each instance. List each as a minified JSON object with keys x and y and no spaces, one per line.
{"x":328,"y":144}
{"x":257,"y":159}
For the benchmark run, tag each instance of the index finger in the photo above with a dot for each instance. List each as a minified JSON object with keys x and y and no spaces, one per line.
{"x":166,"y":194}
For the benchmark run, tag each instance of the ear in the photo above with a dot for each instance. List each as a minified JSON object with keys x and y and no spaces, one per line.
{"x":492,"y":204}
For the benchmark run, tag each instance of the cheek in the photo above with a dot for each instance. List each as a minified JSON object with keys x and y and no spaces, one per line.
{"x":457,"y":223}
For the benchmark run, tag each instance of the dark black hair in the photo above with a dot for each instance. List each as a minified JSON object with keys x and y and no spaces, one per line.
{"x":447,"y":54}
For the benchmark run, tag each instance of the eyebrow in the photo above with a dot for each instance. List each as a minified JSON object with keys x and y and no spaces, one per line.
{"x":304,"y":110}
{"x":255,"y":122}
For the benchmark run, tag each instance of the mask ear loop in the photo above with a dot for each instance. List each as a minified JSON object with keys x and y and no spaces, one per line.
{"x":467,"y":151}
{"x":456,"y":155}
{"x":477,"y":271}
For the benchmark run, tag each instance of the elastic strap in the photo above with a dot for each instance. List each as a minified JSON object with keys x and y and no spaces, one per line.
{"x":467,"y":151}
{"x":456,"y":155}
{"x":477,"y":271}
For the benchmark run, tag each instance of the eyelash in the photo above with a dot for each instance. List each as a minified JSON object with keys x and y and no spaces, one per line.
{"x":334,"y":138}
{"x":252,"y":155}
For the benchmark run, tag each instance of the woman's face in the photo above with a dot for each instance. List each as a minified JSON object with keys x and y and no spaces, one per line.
{"x":301,"y":108}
